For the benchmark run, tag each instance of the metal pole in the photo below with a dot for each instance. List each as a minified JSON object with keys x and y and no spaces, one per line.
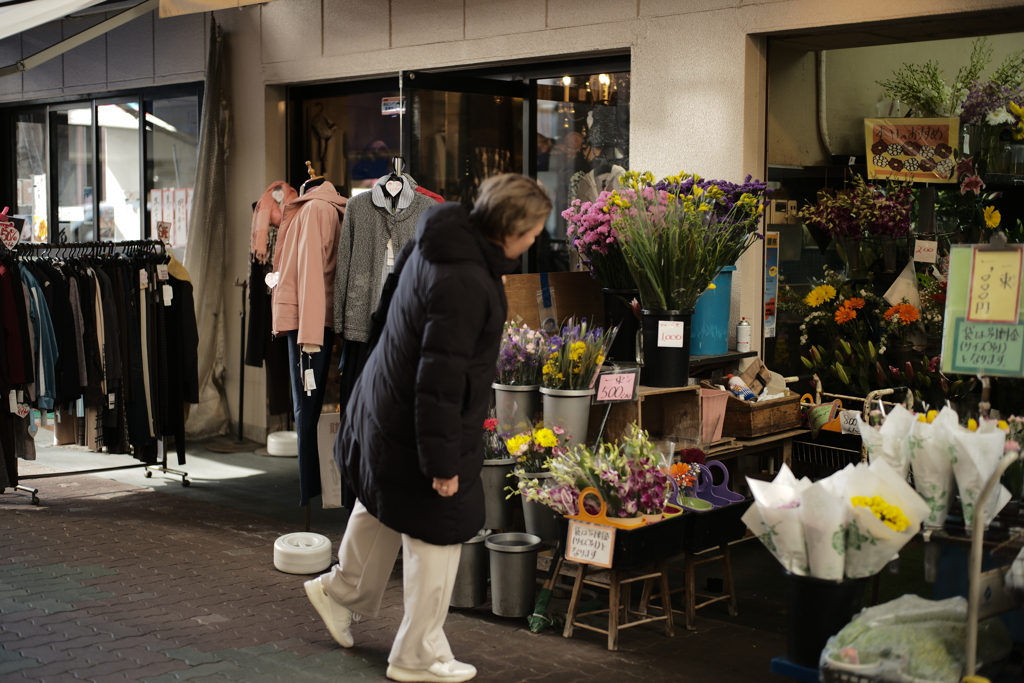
{"x":241,"y":361}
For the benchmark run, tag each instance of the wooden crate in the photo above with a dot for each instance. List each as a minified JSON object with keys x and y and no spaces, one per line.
{"x":575,"y":295}
{"x":748,"y":420}
{"x":660,"y":411}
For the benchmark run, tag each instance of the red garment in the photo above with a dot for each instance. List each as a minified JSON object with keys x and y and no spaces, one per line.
{"x":427,"y":193}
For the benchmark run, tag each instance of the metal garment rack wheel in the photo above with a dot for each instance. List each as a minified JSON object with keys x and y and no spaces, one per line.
{"x":99,"y":248}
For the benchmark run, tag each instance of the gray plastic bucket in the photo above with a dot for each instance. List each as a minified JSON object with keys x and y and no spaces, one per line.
{"x":513,"y":573}
{"x":470,"y":589}
{"x":497,"y":504}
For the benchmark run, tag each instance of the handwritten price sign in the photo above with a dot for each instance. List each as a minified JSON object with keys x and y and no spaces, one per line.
{"x":590,"y":544}
{"x":994,"y":295}
{"x":616,"y":387}
{"x":848,"y":422}
{"x":925,"y":251}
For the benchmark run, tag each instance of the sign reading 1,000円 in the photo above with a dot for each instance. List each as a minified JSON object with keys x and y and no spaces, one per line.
{"x":983,"y":332}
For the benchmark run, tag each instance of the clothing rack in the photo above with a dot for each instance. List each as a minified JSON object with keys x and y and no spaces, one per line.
{"x":97,"y":249}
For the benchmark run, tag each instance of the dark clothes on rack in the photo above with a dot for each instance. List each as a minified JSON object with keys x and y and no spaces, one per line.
{"x":261,"y":347}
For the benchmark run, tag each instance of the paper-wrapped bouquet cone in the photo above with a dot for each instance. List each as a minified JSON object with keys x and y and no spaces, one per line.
{"x":778,"y":504}
{"x":871,"y":542}
{"x":890,"y":442}
{"x":932,"y":464}
{"x":825,"y":512}
{"x":975,"y":456}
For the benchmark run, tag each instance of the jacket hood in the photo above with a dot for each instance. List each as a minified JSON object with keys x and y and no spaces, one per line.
{"x":325,"y":191}
{"x":446,"y":234}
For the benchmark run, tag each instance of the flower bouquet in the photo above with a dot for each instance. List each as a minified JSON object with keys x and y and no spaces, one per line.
{"x":592,"y":232}
{"x":627,"y":475}
{"x":494,"y":444}
{"x":517,"y":377}
{"x":532,"y":449}
{"x":574,"y":357}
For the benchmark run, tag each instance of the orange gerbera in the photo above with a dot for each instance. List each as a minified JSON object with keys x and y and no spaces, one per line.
{"x":854,"y":302}
{"x":683,"y":473}
{"x":845,"y":315}
{"x":902,"y":314}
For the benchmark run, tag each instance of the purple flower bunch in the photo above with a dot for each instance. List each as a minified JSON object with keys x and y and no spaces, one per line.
{"x":521,"y":355}
{"x":989,"y":99}
{"x":732,"y":191}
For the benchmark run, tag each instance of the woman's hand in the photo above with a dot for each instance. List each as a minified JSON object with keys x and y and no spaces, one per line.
{"x":446,"y":488}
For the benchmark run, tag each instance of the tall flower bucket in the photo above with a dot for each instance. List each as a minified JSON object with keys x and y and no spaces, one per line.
{"x":618,"y":311}
{"x":570,"y":410}
{"x":666,"y":349}
{"x":470,"y":589}
{"x":816,"y":610}
{"x":541,"y":521}
{"x":515,"y":407}
{"x":497,"y":505}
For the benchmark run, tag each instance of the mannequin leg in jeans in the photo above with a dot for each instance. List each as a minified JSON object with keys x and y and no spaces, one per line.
{"x":365,"y":560}
{"x":307,"y":408}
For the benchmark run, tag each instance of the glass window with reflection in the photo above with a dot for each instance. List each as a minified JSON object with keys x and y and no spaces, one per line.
{"x":30,"y":175}
{"x":172,"y":154}
{"x":582,"y":149}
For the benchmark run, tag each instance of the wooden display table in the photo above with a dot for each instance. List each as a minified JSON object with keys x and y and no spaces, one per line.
{"x":659,"y":411}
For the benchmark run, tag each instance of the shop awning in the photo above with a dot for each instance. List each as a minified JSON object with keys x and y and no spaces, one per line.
{"x":16,"y":17}
{"x":172,"y":8}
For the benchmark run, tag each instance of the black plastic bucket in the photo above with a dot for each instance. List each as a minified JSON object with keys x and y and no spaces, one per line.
{"x":665,"y":365}
{"x":816,"y":610}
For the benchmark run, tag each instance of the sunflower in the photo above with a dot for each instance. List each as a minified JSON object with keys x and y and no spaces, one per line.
{"x":845,"y":315}
{"x":992,"y":217}
{"x":854,"y":302}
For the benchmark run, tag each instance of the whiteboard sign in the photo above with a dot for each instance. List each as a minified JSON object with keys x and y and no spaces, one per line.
{"x":925,"y":251}
{"x":615,"y":387}
{"x":670,"y":333}
{"x":848,"y":422}
{"x":590,"y":544}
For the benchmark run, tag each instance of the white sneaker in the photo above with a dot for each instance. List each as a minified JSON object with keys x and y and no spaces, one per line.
{"x":451,"y":671}
{"x":336,"y":616}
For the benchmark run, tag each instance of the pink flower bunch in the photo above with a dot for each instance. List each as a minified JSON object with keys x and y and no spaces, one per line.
{"x":590,"y":223}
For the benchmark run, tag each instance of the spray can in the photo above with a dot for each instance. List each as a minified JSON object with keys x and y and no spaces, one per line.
{"x":743,"y":336}
{"x":740,"y":388}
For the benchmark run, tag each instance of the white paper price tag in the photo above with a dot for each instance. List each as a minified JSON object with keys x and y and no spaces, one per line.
{"x":590,"y":544}
{"x":23,"y":410}
{"x":848,"y":422}
{"x":309,"y":380}
{"x":111,"y":401}
{"x":168,"y":294}
{"x":393,"y":187}
{"x":13,"y":401}
{"x":925,"y":251}
{"x":670,"y":333}
{"x":161,"y":272}
{"x":143,"y":278}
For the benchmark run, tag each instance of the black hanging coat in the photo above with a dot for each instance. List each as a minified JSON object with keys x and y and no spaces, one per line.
{"x":418,"y":408}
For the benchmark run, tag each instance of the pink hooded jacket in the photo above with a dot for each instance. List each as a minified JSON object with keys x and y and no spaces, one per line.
{"x":304,"y":261}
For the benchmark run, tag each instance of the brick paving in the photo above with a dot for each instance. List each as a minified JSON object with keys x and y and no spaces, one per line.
{"x":110,"y":582}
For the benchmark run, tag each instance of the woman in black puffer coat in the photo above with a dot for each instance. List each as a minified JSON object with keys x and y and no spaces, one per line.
{"x":410,"y":444}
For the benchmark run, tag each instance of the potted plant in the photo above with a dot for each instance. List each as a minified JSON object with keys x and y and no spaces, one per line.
{"x":517,"y":377}
{"x":532,"y":451}
{"x":498,"y":464}
{"x":676,"y":237}
{"x":573,"y":360}
{"x":592,"y":233}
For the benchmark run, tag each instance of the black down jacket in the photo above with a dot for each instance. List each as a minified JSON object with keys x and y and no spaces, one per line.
{"x":417,"y":409}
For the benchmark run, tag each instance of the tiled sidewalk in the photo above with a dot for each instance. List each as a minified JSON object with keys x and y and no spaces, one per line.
{"x":106,"y":581}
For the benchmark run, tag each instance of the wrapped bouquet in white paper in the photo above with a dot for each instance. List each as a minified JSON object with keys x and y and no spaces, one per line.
{"x":975,"y":456}
{"x":889,"y":442}
{"x":825,"y":512}
{"x":886,"y":514}
{"x":932,"y":463}
{"x":775,"y":518}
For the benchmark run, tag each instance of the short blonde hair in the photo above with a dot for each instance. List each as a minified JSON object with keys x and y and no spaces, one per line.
{"x":509,"y":205}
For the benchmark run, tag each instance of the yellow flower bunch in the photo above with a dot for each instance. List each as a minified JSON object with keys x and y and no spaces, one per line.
{"x":1018,"y":130}
{"x":820,"y":295}
{"x":636,"y":180}
{"x":890,"y":515}
{"x":518,"y":442}
{"x":545,"y":438}
{"x":576,"y":350}
{"x":992,"y":217}
{"x":750,"y":203}
{"x":618,"y":200}
{"x":550,"y":369}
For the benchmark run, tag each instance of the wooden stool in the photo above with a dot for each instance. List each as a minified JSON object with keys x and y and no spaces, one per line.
{"x":689,"y":590}
{"x":618,"y":601}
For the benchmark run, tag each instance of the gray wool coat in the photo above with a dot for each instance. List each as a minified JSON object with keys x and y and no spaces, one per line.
{"x":361,"y":252}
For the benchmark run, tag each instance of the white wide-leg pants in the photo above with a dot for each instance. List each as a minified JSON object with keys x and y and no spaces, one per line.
{"x":367,"y":556}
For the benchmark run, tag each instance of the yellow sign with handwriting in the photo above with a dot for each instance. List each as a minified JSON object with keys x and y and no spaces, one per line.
{"x":995,"y":285}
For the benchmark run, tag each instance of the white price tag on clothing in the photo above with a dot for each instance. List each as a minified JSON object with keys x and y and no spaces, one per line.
{"x":393,"y":187}
{"x":271,"y":279}
{"x":111,"y":401}
{"x":13,"y":401}
{"x":168,"y":294}
{"x":309,"y":381}
{"x":143,"y":278}
{"x":23,"y":410}
{"x":161,"y":272}
{"x":391,"y":255}
{"x":670,"y":333}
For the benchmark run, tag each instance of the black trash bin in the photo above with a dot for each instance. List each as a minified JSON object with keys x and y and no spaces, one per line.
{"x":816,"y":610}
